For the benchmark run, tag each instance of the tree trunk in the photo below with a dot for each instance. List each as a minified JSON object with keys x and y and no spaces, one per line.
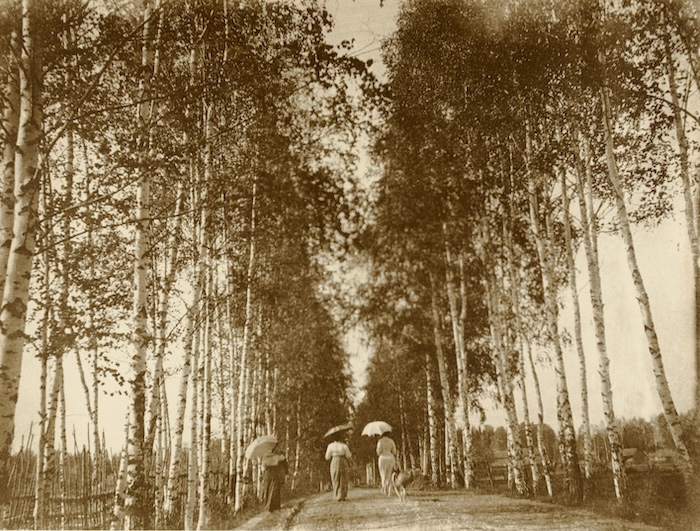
{"x":467,"y":435}
{"x":160,"y":319}
{"x":444,"y":384}
{"x":120,"y":487}
{"x":590,"y":241}
{"x":203,"y":520}
{"x":540,"y":425}
{"x":92,"y":332}
{"x":691,"y":207}
{"x":170,"y":494}
{"x":503,"y":379}
{"x":515,"y":302}
{"x":432,"y":424}
{"x":205,"y":274}
{"x":242,"y":383}
{"x":19,"y":266}
{"x":136,"y":513}
{"x":458,"y":318}
{"x":662,"y":387}
{"x":10,"y":127}
{"x":585,"y":424}
{"x":193,"y":467}
{"x":40,"y":487}
{"x":573,"y":478}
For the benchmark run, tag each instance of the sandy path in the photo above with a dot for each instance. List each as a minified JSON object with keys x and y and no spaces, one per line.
{"x":433,"y":510}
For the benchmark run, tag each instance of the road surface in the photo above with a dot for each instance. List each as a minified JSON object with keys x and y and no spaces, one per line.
{"x":433,"y":510}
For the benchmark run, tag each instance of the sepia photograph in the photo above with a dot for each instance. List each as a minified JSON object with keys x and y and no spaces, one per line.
{"x":350,"y":264}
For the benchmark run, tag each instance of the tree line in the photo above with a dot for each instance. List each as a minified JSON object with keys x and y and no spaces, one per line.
{"x":516,"y":133}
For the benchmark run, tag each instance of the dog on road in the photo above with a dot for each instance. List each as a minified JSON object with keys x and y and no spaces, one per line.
{"x":400,"y":479}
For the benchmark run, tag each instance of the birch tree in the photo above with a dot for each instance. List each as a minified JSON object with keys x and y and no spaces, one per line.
{"x":136,"y":515}
{"x":19,"y":265}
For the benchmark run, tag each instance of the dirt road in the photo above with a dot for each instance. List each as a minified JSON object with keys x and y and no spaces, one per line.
{"x":433,"y":510}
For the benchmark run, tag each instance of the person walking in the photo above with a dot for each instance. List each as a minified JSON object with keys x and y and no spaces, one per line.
{"x":274,"y":469}
{"x":338,"y":453}
{"x":386,"y":450}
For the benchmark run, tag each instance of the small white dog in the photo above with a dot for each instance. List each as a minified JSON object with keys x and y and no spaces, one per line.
{"x":400,"y":480}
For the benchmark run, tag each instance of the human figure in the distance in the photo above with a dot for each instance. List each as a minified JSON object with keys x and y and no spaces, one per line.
{"x":274,"y":470}
{"x":338,"y":453}
{"x":386,"y":450}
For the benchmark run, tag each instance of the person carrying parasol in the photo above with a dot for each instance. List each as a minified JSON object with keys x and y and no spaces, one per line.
{"x":338,"y":453}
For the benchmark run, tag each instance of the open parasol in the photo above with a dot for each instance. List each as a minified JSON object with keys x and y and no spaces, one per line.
{"x":338,"y":429}
{"x":376,"y":427}
{"x":261,"y":446}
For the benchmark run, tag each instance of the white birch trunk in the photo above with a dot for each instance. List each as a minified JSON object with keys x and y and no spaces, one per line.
{"x":193,"y":468}
{"x":10,"y":126}
{"x":691,"y":197}
{"x":297,"y":446}
{"x":540,"y":425}
{"x":691,"y":206}
{"x":135,"y":511}
{"x":573,"y":480}
{"x":62,"y":453}
{"x":40,"y":488}
{"x":432,"y":425}
{"x":158,"y":385}
{"x":590,"y":242}
{"x":92,"y":341}
{"x":242,"y":382}
{"x":19,"y":266}
{"x":503,"y":380}
{"x":515,"y":301}
{"x":170,"y":494}
{"x":578,"y":334}
{"x":235,"y":377}
{"x":464,"y":391}
{"x":445,"y":387}
{"x":204,"y":274}
{"x":120,"y":488}
{"x":662,"y":387}
{"x":458,"y":318}
{"x":203,"y":520}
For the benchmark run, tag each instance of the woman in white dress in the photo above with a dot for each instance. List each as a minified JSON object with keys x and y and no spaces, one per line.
{"x":338,"y":453}
{"x":386,"y":450}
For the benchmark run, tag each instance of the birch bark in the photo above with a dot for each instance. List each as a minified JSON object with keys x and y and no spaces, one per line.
{"x":458,"y":318}
{"x":136,"y":513}
{"x":204,"y":275}
{"x":19,"y":266}
{"x":445,"y":386}
{"x":243,"y":366}
{"x":692,"y":212}
{"x":589,"y":221}
{"x":193,"y":467}
{"x":564,"y":414}
{"x":170,"y":494}
{"x":578,"y":334}
{"x":10,"y":126}
{"x":519,"y":332}
{"x":662,"y":387}
{"x":203,"y":519}
{"x":540,"y":424}
{"x":432,"y":424}
{"x":40,"y":488}
{"x":503,"y":380}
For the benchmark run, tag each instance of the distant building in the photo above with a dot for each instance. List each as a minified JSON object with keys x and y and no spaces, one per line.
{"x":635,"y":460}
{"x":665,"y":460}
